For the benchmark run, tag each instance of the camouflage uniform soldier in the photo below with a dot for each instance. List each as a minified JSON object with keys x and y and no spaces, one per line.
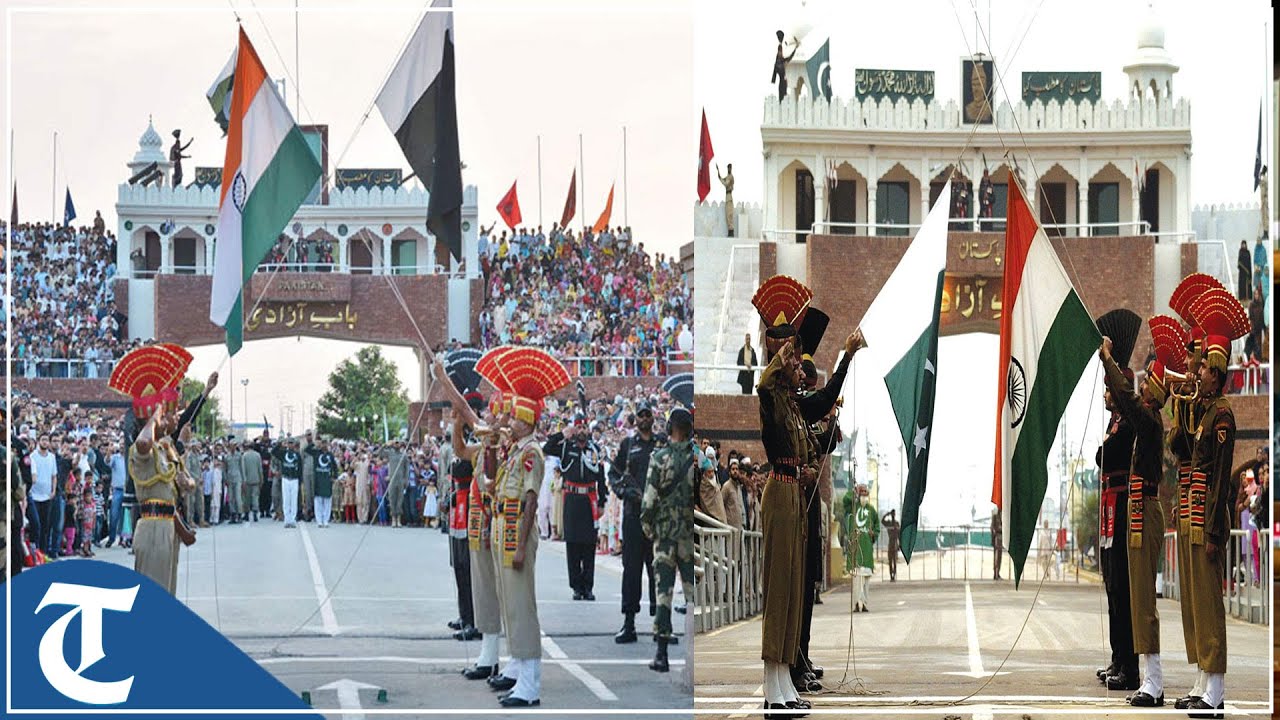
{"x":666,"y":515}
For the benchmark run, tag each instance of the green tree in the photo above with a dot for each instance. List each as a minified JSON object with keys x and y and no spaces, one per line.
{"x":210,"y":422}
{"x":361,"y":388}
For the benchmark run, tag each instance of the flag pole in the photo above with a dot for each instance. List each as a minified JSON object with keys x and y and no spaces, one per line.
{"x":582,"y":182}
{"x":625,"y":222}
{"x":53,"y":205}
{"x":539,"y":181}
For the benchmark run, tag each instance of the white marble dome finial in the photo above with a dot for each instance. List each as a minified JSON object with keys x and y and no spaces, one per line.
{"x":150,"y":138}
{"x":1151,"y":30}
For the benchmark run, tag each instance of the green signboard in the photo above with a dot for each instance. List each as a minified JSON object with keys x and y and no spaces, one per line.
{"x":894,"y":84}
{"x":1061,"y":86}
{"x":367,"y":177}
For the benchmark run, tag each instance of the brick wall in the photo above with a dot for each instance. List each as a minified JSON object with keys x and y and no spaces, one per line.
{"x":68,"y":390}
{"x":734,"y":420}
{"x":182,"y":303}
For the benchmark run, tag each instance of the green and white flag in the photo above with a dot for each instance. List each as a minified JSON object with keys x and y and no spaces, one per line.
{"x":267,"y":173}
{"x":901,"y":328}
{"x":219,"y":95}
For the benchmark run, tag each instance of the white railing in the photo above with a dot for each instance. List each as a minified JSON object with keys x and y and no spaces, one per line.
{"x":33,"y":367}
{"x":434,"y":269}
{"x":965,"y":552}
{"x":1248,"y":583}
{"x":1140,"y":227}
{"x":616,"y":366}
{"x":755,"y":371}
{"x":726,"y":573}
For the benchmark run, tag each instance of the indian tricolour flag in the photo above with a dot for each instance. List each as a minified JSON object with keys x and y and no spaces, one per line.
{"x":268,"y":171}
{"x":1046,"y":340}
{"x":901,"y":328}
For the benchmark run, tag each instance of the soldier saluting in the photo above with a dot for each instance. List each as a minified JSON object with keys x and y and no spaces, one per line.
{"x":628,"y":473}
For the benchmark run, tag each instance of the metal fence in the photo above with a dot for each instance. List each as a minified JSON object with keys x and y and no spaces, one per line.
{"x":31,"y":367}
{"x":1245,"y":588}
{"x":965,"y":552}
{"x":726,"y":573}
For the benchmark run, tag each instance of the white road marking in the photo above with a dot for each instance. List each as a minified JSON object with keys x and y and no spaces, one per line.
{"x":902,"y":602}
{"x":975,"y":655}
{"x":442,"y":660}
{"x":349,"y":696}
{"x":591,"y":681}
{"x":879,"y":701}
{"x":327,"y":618}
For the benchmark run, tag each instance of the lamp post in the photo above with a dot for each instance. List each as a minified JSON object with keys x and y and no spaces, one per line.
{"x":244,"y":382}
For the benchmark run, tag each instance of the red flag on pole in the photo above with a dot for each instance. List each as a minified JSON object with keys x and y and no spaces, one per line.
{"x":705,"y":153}
{"x":509,"y":208}
{"x":603,"y":223}
{"x":570,"y":202}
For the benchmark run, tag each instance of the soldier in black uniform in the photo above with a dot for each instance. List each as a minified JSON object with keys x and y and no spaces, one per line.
{"x":584,"y":495}
{"x":628,"y":474}
{"x":1113,"y":459}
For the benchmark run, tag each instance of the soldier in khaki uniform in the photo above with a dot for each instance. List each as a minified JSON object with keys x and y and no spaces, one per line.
{"x":784,"y":418}
{"x":532,"y":375}
{"x":1145,"y":517}
{"x":251,"y":469}
{"x":666,"y":514}
{"x":1211,"y":491}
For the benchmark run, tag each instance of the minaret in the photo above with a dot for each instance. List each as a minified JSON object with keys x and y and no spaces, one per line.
{"x":1151,"y":70}
{"x":151,"y":150}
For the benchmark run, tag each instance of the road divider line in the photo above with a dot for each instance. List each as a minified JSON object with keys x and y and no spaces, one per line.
{"x":593,"y":683}
{"x":327,"y":618}
{"x":975,"y":655}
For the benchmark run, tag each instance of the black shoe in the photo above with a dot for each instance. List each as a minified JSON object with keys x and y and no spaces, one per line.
{"x":109,"y":543}
{"x":1123,"y":681}
{"x":577,"y":596}
{"x":501,"y":682}
{"x":799,"y":704}
{"x":628,"y":632}
{"x":480,"y":672}
{"x":817,"y":671}
{"x":455,"y":624}
{"x":865,"y":608}
{"x":518,"y":702}
{"x":1200,"y":704}
{"x":817,"y":599}
{"x":589,"y":596}
{"x":1141,"y":699}
{"x":1185,"y":701}
{"x":659,"y":662}
{"x":1102,"y":673}
{"x":779,"y":716}
{"x":468,"y":633}
{"x":682,"y":609}
{"x":805,"y":682}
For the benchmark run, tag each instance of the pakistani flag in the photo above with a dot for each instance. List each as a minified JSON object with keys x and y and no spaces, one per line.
{"x":219,"y":95}
{"x":818,"y":68}
{"x":268,"y":171}
{"x":901,"y":328}
{"x":1046,"y":340}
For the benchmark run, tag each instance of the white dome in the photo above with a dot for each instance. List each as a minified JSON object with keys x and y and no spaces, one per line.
{"x":150,"y":138}
{"x":1151,"y":32}
{"x":150,"y":148}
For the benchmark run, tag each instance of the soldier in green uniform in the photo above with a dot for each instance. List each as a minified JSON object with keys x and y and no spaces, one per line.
{"x":235,"y":482}
{"x":251,"y":469}
{"x":864,"y":528}
{"x":666,"y":514}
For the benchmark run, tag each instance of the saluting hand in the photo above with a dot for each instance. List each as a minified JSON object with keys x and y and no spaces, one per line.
{"x":855,"y":342}
{"x":1104,"y":352}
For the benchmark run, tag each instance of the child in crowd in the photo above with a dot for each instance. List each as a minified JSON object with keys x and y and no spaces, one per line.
{"x":88,"y":515}
{"x":431,"y":508}
{"x":347,"y":483}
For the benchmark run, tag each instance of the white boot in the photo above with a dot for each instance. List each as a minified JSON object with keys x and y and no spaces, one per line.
{"x":1214,"y":689}
{"x":488,"y":651}
{"x":513,"y":669}
{"x":1153,"y":680}
{"x":1197,"y":690}
{"x":529,"y":685}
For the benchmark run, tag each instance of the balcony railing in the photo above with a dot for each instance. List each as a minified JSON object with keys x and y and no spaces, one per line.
{"x":436,"y":269}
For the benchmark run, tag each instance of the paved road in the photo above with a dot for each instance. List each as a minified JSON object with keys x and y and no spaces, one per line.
{"x":939,"y":642}
{"x":384,"y":622}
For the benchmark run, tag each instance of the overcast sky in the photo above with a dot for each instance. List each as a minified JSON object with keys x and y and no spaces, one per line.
{"x":1224,"y":62}
{"x":582,"y":67}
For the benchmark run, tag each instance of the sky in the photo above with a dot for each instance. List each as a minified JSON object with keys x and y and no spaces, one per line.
{"x":1220,"y":48}
{"x":1223,"y":57}
{"x":574,"y":68}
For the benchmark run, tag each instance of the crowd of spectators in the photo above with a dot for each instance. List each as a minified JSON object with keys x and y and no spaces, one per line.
{"x":598,"y":297}
{"x":71,"y":462}
{"x":65,"y":321}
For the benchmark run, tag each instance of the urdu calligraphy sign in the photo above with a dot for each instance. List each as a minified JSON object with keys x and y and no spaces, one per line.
{"x":1061,"y":86}
{"x":894,"y":84}
{"x":301,"y":315}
